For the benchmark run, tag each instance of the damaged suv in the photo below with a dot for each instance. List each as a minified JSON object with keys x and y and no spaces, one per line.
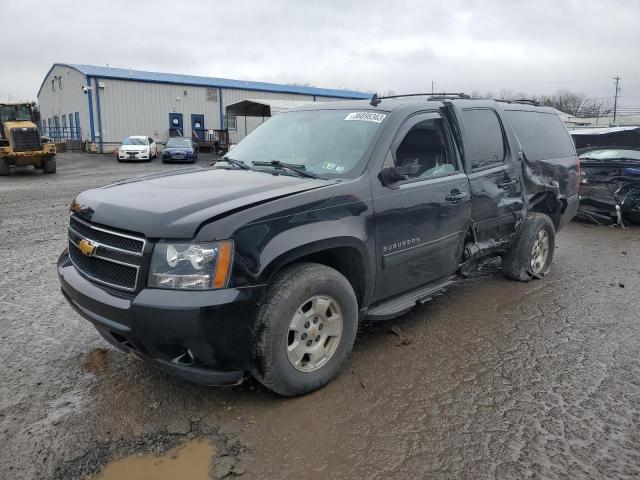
{"x":321,"y":218}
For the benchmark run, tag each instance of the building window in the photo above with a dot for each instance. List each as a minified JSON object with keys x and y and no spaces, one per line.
{"x":212,"y":94}
{"x":231,"y":123}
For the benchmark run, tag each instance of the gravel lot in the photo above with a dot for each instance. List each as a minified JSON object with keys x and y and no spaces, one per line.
{"x":494,"y":379}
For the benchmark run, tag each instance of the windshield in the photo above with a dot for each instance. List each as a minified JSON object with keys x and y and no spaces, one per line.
{"x":178,"y":142}
{"x":15,"y":113}
{"x":611,"y":154}
{"x":135,"y":141}
{"x":326,"y":142}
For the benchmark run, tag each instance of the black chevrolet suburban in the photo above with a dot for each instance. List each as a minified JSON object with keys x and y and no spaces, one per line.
{"x":323,"y":217}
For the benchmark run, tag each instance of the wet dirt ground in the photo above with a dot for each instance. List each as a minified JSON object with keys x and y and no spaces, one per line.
{"x":494,"y":379}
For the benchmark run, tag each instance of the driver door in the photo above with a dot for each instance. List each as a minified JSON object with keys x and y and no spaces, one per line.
{"x":420,"y":222}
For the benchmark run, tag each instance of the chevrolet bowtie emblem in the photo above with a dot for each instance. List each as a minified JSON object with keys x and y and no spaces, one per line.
{"x":87,"y":247}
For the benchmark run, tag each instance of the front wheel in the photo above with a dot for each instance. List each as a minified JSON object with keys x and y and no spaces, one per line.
{"x":531,"y":254}
{"x":305,"y":329}
{"x":49,"y":165}
{"x":5,"y":168}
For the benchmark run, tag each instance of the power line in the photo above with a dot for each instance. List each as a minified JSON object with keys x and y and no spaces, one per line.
{"x":615,"y":101}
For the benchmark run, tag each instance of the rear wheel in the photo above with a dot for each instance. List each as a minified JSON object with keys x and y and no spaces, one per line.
{"x":305,"y":329}
{"x":49,"y":165}
{"x":5,"y":169}
{"x":531,"y":254}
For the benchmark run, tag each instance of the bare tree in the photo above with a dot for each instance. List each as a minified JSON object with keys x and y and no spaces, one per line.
{"x":595,"y":108}
{"x":506,"y":94}
{"x":565,"y":101}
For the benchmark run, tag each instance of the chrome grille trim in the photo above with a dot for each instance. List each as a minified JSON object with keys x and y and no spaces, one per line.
{"x":107,"y":259}
{"x":102,"y":282}
{"x":110,"y":232}
{"x":126,"y":258}
{"x":102,"y":245}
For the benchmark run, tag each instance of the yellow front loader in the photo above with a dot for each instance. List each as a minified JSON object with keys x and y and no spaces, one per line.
{"x":20,"y":141}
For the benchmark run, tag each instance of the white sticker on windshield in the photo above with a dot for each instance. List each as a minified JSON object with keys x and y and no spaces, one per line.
{"x":366,"y":116}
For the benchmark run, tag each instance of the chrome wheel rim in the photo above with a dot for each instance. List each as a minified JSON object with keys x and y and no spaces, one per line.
{"x":540,"y":252}
{"x":314,"y":333}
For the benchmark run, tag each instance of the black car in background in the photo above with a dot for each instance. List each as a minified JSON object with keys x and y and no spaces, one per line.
{"x":180,"y":149}
{"x":610,"y":174}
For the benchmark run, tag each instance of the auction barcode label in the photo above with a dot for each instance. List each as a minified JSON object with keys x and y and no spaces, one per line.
{"x":366,"y":116}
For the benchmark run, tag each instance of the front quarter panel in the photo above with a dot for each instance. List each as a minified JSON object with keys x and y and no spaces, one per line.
{"x":271,"y":235}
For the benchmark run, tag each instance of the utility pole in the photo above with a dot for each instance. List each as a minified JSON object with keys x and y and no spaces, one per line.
{"x":615,"y":101}
{"x":432,"y":84}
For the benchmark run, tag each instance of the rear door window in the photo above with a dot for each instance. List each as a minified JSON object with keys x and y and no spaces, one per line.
{"x":542,"y":135}
{"x":485,"y":140}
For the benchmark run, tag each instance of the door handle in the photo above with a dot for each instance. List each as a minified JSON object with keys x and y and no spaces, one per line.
{"x":507,"y":184}
{"x":454,"y":196}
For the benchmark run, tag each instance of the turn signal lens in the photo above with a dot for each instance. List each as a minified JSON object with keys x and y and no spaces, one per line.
{"x":223,"y":265}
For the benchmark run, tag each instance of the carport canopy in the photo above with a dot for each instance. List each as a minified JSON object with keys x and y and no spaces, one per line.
{"x":263,"y":108}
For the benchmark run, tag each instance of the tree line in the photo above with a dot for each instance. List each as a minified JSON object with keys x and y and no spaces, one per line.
{"x":573,"y":103}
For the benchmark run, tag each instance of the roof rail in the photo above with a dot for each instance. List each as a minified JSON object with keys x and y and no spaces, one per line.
{"x":431,"y":94}
{"x":520,"y":100}
{"x":526,"y":100}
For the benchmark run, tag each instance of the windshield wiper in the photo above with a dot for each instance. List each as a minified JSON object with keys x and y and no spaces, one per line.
{"x":294,"y":167}
{"x":235,"y":162}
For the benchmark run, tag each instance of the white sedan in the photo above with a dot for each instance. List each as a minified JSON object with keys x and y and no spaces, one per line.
{"x":137,"y":148}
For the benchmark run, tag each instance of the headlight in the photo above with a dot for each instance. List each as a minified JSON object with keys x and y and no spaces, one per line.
{"x":145,"y":150}
{"x":121,"y":150}
{"x":192,"y":266}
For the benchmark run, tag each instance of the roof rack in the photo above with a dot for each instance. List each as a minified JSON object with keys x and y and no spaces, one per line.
{"x":520,"y":100}
{"x":375,"y":99}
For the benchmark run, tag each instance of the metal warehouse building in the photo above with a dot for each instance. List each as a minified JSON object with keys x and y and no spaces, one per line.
{"x":104,"y":105}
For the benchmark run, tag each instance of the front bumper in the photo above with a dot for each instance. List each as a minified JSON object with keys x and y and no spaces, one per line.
{"x":203,"y":337}
{"x":173,"y":157}
{"x":134,"y":155}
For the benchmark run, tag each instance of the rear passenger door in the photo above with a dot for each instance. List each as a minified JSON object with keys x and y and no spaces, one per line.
{"x":494,"y":173}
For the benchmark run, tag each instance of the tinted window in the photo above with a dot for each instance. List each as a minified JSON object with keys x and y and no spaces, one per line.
{"x":423,"y":149}
{"x":542,"y":135}
{"x":177,"y":142}
{"x":485,"y":143}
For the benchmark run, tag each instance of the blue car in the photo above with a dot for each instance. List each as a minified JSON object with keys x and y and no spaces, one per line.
{"x":180,"y":149}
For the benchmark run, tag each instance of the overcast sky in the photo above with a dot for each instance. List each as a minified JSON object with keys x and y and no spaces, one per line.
{"x":369,"y":45}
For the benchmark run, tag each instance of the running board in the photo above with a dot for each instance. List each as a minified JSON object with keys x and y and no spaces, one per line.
{"x":399,"y":305}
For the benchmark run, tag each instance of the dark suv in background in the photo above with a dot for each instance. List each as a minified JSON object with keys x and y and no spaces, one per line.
{"x":321,"y":218}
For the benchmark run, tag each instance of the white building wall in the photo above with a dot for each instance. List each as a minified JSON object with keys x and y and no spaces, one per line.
{"x":130,"y":107}
{"x":65,"y":97}
{"x":246,"y":125}
{"x":142,"y":108}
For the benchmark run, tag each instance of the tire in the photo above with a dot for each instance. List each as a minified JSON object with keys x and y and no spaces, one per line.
{"x":284,"y":300}
{"x":524,"y":260}
{"x":49,"y":165}
{"x":5,"y":169}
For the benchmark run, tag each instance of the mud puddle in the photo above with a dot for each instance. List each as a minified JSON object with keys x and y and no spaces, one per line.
{"x":190,"y":461}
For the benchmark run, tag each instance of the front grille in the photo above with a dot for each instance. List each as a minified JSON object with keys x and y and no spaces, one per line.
{"x":26,"y":139}
{"x":110,"y":238}
{"x":103,"y":271}
{"x":116,"y":259}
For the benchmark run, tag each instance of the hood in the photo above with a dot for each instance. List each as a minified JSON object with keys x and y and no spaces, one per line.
{"x":178,"y":149}
{"x":174,"y":204}
{"x":134,"y":148}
